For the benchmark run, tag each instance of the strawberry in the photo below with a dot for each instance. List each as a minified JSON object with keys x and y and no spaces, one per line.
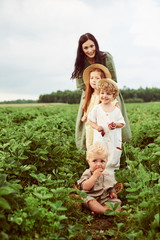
{"x":119,"y":148}
{"x":112,"y":124}
{"x":102,"y":133}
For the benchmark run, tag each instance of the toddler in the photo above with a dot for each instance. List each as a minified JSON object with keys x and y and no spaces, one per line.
{"x":96,"y":181}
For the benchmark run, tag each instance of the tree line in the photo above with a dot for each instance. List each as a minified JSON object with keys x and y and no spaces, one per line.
{"x":141,"y":94}
{"x":129,"y":95}
{"x":73,"y":97}
{"x":67,"y":96}
{"x":18,"y":101}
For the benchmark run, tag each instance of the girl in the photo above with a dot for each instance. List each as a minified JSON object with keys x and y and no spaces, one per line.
{"x":107,"y":122}
{"x":88,"y":53}
{"x":91,"y":76}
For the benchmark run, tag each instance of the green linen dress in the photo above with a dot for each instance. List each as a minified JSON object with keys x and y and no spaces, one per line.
{"x":80,"y":133}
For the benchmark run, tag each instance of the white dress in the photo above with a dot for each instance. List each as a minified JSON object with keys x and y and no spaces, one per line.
{"x":112,"y":138}
{"x":89,"y":130}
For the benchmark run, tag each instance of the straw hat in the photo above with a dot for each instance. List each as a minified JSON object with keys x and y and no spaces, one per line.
{"x":101,"y":84}
{"x":86,"y":73}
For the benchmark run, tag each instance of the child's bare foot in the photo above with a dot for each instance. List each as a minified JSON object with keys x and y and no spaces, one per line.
{"x":93,"y":213}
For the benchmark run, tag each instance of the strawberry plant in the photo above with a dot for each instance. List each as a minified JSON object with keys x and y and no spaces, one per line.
{"x":39,"y":163}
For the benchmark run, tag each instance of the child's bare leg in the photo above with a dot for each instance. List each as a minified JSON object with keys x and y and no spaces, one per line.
{"x":96,"y":207}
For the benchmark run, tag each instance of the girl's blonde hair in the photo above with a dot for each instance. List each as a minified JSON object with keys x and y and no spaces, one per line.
{"x":97,"y":148}
{"x":89,"y":90}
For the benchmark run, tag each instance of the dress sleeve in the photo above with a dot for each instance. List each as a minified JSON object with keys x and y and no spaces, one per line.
{"x":83,"y":178}
{"x":80,"y":84}
{"x":92,"y":116}
{"x":120,"y":118}
{"x":111,"y":66}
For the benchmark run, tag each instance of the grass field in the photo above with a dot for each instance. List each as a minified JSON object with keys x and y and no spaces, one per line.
{"x":31,"y":105}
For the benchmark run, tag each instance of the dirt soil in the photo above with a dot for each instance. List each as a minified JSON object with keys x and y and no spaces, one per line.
{"x":99,"y":223}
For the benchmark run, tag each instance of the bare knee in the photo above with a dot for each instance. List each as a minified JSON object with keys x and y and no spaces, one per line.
{"x":96,"y":207}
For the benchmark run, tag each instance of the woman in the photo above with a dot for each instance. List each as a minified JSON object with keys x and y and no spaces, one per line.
{"x":88,"y":53}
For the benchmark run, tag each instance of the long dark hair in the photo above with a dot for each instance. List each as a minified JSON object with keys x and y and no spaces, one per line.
{"x":80,"y":59}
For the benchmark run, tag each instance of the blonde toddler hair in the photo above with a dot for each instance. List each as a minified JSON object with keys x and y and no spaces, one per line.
{"x":106,"y":85}
{"x":97,"y":148}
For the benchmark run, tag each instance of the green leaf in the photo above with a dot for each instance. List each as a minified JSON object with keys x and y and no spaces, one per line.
{"x":4,"y":236}
{"x":132,"y":196}
{"x":120,"y":225}
{"x":40,"y":177}
{"x":15,"y":219}
{"x":24,"y":157}
{"x":157,"y":154}
{"x":6,"y":190}
{"x":144,"y":204}
{"x":62,"y":217}
{"x":58,"y":204}
{"x":43,"y":151}
{"x":109,"y":212}
{"x":34,"y":212}
{"x":42,"y":196}
{"x":109,"y":205}
{"x":4,"y":204}
{"x":155,"y":176}
{"x":45,"y":158}
{"x":116,"y":205}
{"x":25,"y":168}
{"x":155,"y":223}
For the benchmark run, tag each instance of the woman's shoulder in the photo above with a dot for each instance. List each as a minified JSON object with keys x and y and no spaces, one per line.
{"x":106,"y":55}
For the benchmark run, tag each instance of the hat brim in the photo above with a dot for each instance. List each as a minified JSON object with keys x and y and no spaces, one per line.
{"x":107,"y":80}
{"x":86,"y":73}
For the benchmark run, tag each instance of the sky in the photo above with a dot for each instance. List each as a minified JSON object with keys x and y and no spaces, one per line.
{"x":39,"y":40}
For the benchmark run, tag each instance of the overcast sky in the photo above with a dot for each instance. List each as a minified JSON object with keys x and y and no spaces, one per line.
{"x":39,"y":39}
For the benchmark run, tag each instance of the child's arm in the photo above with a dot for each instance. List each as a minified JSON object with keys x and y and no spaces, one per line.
{"x":89,"y":183}
{"x":84,"y":117}
{"x":114,"y":125}
{"x":95,"y":126}
{"x":119,"y":125}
